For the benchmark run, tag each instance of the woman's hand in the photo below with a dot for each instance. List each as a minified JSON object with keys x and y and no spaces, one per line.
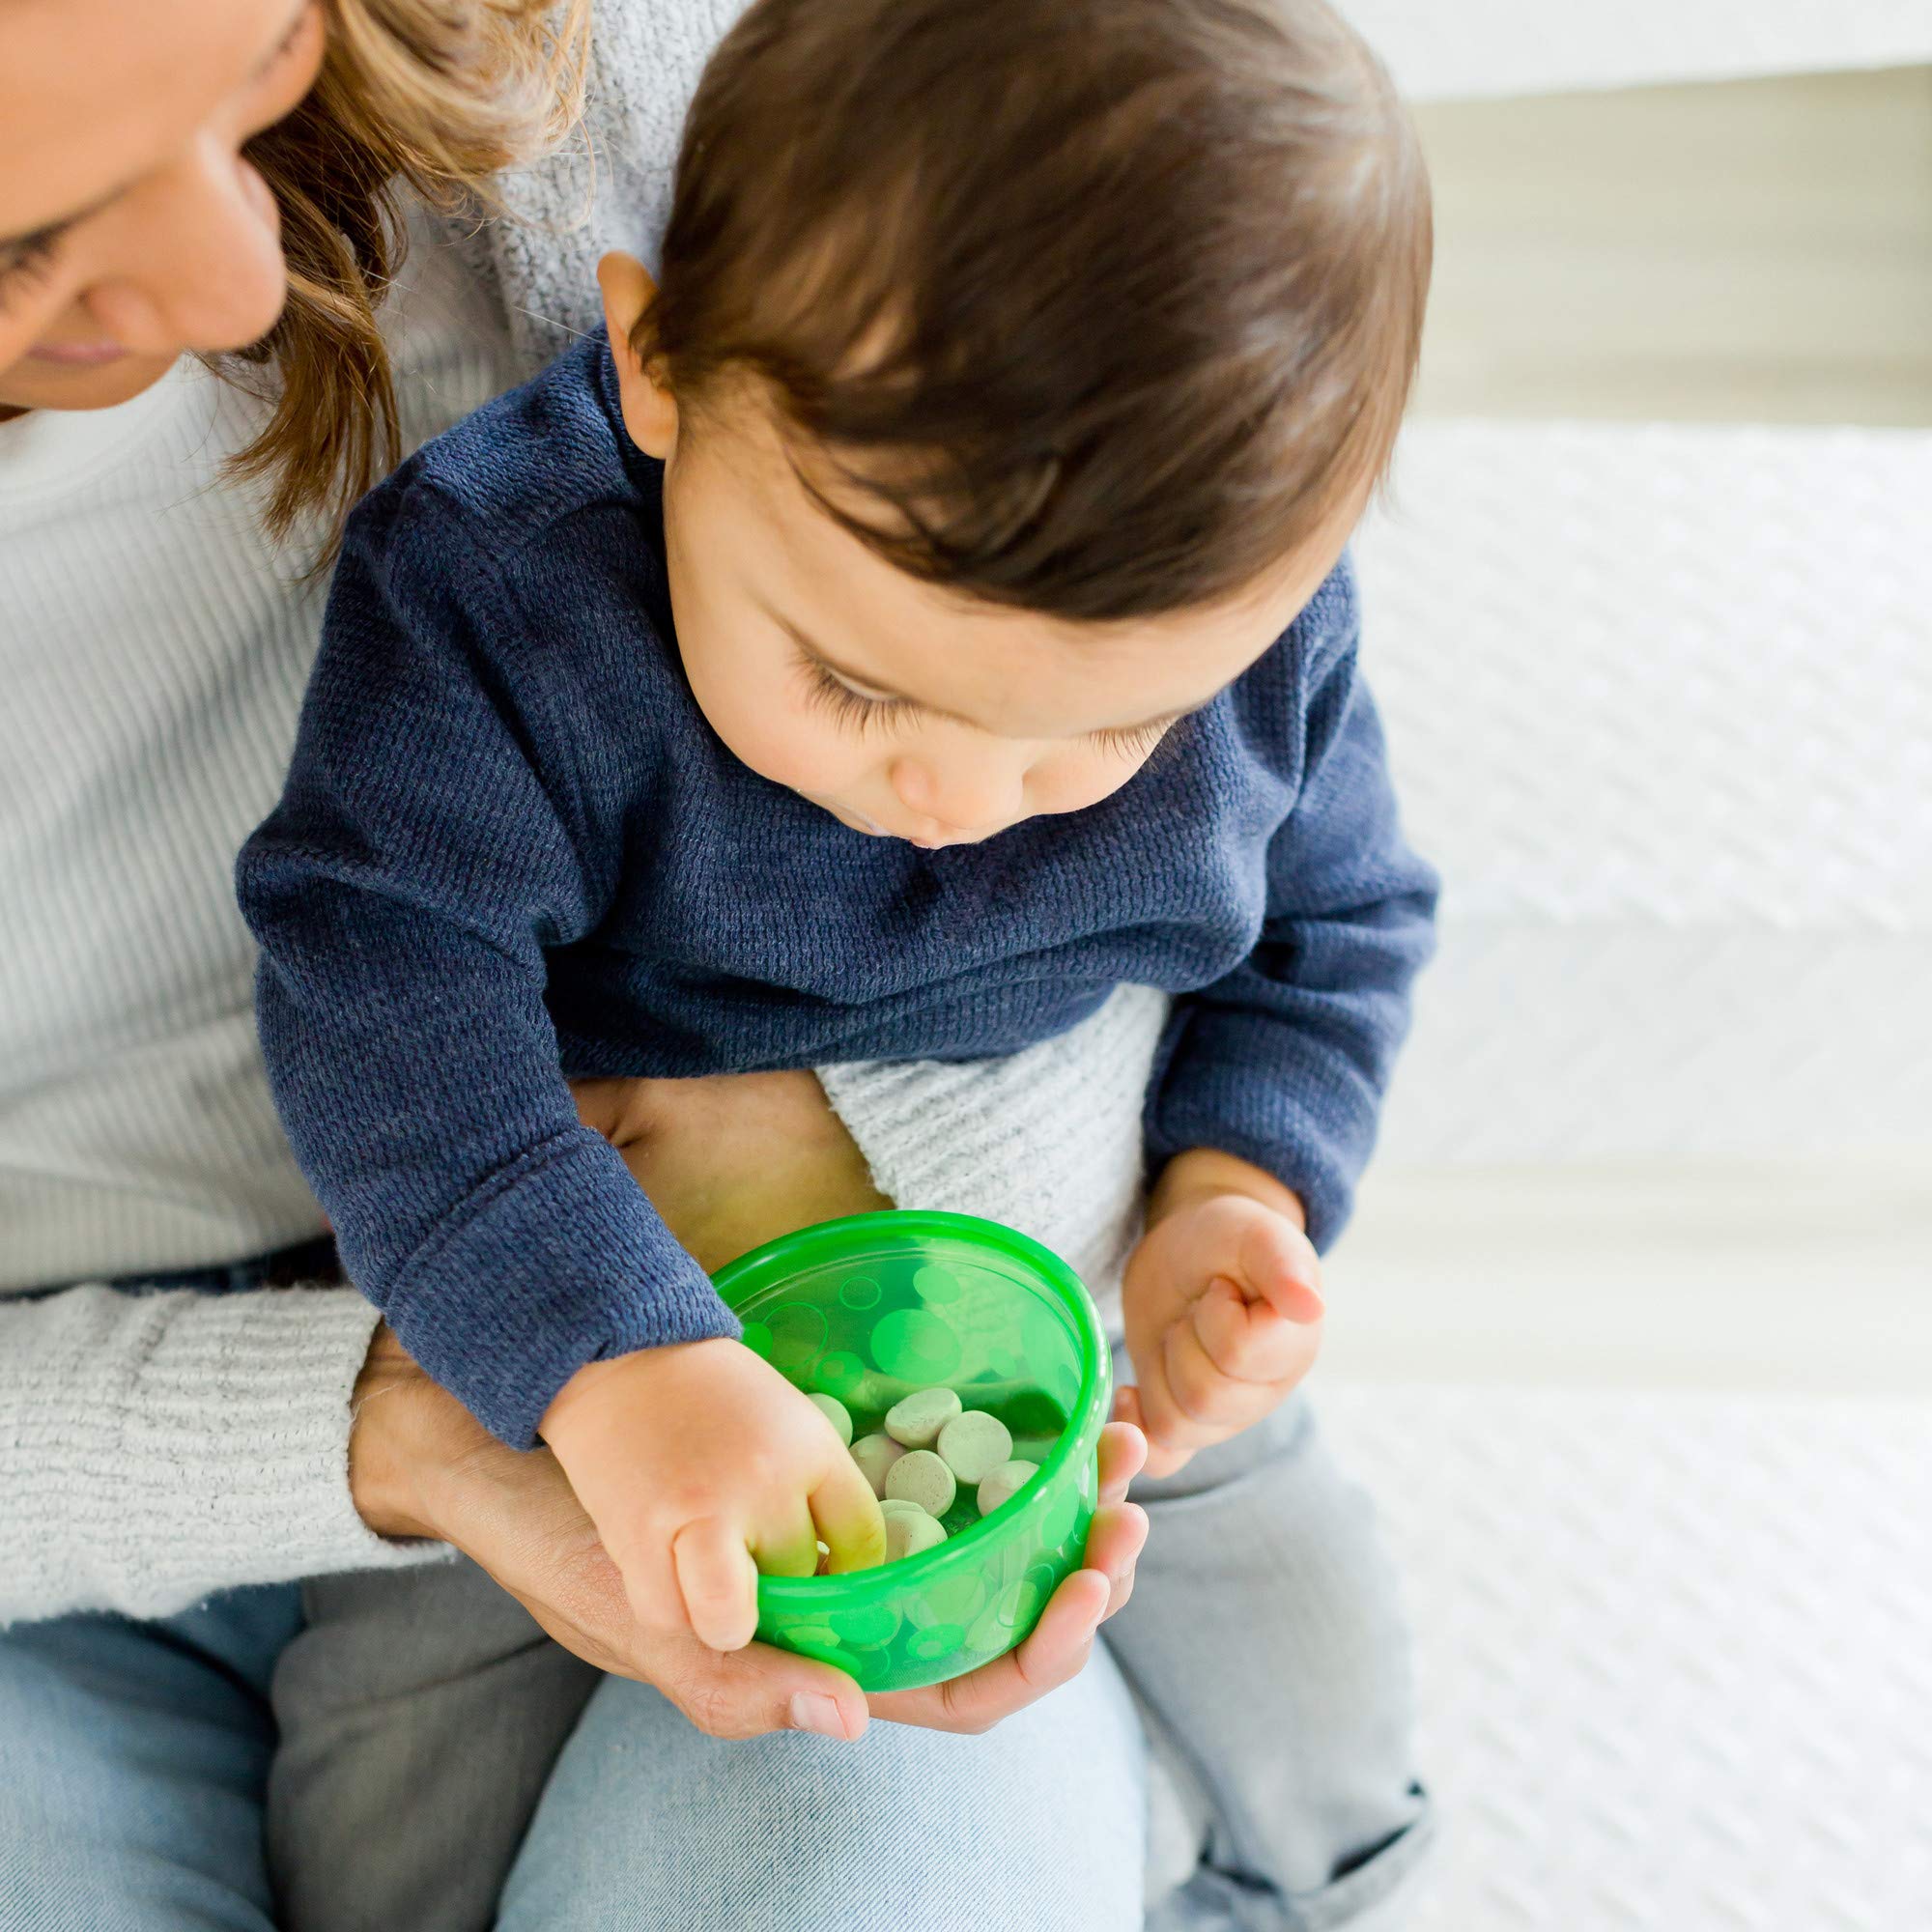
{"x":733,"y":1159}
{"x":420,"y":1465}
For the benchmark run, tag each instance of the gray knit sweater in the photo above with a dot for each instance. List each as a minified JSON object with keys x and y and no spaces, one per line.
{"x":156,"y":1447}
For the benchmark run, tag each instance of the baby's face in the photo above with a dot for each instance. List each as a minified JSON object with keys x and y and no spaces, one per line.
{"x":903,"y":709}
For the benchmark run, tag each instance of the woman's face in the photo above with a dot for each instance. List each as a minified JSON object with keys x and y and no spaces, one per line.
{"x":130,"y":227}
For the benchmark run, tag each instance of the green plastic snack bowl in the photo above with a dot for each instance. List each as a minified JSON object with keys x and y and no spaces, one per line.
{"x":869,"y":1309}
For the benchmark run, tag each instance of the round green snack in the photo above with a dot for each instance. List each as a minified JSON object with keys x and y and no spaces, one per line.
{"x":916,"y":1422}
{"x":974,"y":1444}
{"x":835,"y":1412}
{"x":1004,"y":1484}
{"x":919,"y":1477}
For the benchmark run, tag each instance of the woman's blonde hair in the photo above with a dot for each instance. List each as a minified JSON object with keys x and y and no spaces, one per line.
{"x":430,"y":96}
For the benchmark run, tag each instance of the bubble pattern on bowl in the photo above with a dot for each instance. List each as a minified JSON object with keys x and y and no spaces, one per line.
{"x":872,"y":1308}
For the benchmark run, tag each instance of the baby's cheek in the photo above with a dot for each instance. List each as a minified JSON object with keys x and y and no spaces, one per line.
{"x":1073,"y":781}
{"x":781,"y":743}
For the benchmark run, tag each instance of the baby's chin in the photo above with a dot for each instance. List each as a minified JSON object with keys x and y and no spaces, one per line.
{"x":855,"y":820}
{"x":850,"y":816}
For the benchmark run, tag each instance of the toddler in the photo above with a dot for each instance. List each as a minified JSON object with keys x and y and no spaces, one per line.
{"x":919,"y":614}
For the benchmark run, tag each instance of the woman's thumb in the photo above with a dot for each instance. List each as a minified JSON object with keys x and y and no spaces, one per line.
{"x":749,"y":1692}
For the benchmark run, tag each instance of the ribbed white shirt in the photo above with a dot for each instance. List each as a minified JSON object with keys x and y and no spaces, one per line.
{"x":153,"y":653}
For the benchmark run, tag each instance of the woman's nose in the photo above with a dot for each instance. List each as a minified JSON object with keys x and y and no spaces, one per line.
{"x":969,"y":793}
{"x":203,"y":267}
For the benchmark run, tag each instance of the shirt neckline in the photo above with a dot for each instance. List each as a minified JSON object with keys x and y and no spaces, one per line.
{"x":54,"y":450}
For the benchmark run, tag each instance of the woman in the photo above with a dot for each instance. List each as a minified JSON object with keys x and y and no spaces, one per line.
{"x":202,"y":1433}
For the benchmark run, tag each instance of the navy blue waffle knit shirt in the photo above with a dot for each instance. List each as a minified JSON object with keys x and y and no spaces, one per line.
{"x":512,"y":851}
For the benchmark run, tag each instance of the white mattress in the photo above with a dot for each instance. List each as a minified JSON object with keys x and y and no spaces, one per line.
{"x":1533,"y":46}
{"x":1659,"y":704}
{"x":1674,"y":1656}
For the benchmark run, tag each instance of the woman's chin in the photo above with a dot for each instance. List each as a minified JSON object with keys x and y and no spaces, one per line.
{"x":34,"y":385}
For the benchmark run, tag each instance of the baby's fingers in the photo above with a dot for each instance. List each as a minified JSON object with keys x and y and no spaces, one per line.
{"x":787,"y":1544}
{"x":1177,"y":1420}
{"x":1252,"y":1341}
{"x":1212,"y":1405}
{"x":1279,"y":1266}
{"x":718,"y":1581}
{"x":848,"y":1516}
{"x":1157,"y":1458}
{"x":1124,"y":1447}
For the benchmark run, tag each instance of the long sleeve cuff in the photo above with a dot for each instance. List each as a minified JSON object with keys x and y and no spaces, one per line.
{"x":558,"y":1261}
{"x":157,"y":1448}
{"x":1247,"y":1086}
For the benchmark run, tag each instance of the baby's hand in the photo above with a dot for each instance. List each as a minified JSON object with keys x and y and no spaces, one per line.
{"x":700,"y":1466}
{"x":1223,"y":1306}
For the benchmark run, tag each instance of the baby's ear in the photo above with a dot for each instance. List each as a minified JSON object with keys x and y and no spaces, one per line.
{"x":650,"y":414}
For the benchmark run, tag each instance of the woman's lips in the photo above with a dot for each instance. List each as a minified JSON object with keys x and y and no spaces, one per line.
{"x":77,"y":355}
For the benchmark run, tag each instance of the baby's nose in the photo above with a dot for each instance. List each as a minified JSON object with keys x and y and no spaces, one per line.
{"x":966,"y":799}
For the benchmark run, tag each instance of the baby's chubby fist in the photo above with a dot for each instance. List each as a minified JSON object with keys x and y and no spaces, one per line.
{"x":1223,"y":1304}
{"x":700,"y":1466}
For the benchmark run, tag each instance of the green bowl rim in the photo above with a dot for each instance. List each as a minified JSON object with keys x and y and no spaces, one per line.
{"x":793,"y":1595}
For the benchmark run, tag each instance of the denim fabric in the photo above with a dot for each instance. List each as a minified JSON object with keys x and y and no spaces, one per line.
{"x":304,"y":1263}
{"x":420,"y":1715}
{"x":134,"y":1761}
{"x":132,"y":1758}
{"x":1264,"y":1648}
{"x":647,"y":1826}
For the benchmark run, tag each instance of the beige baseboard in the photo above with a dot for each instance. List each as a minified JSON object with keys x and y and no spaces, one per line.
{"x":1750,"y":1277}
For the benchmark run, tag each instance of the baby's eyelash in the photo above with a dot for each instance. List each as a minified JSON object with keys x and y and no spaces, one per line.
{"x":859,"y":713}
{"x":862,"y":714}
{"x":1135,"y":742}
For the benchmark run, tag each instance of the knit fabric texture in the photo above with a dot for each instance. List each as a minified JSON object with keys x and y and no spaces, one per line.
{"x":511,"y":850}
{"x":157,"y":1448}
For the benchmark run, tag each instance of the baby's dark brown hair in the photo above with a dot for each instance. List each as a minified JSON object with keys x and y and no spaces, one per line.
{"x":1101,"y":308}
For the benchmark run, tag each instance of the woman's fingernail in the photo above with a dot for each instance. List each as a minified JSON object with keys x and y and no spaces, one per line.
{"x":811,"y":1712}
